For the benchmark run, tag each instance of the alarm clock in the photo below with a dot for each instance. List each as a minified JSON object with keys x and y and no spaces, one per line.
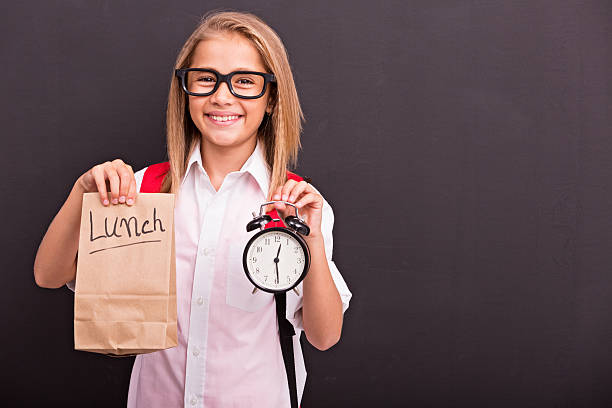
{"x":276,"y":259}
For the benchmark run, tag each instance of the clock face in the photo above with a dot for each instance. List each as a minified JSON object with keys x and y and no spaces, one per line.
{"x":275,"y":260}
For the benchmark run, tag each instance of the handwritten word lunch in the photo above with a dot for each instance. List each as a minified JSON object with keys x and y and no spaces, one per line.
{"x":127,"y":225}
{"x":122,"y":226}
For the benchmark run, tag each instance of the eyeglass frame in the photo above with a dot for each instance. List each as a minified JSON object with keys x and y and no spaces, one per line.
{"x":181,"y":73}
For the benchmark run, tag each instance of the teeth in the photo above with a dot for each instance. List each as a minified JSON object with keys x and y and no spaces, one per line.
{"x":224,"y":118}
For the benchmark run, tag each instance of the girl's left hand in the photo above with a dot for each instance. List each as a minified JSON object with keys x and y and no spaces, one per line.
{"x":306,"y":199}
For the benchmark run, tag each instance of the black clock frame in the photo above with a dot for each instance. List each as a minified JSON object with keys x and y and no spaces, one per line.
{"x":297,"y":237}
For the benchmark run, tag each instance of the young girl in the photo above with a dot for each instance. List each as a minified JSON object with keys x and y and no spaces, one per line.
{"x":230,"y":137}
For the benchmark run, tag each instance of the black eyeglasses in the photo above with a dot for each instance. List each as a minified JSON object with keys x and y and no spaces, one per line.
{"x":242,"y":84}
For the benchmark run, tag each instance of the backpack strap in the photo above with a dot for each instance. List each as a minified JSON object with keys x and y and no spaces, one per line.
{"x":153,"y":177}
{"x":285,"y":334}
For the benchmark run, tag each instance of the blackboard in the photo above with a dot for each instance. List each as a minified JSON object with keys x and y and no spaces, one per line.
{"x":463,"y":145}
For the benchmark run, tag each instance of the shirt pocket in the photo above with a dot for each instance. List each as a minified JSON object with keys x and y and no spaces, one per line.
{"x":239,"y":287}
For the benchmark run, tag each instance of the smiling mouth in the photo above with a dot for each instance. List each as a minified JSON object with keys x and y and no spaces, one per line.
{"x":224,"y":118}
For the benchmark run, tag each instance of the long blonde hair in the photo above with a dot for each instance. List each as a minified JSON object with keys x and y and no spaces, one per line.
{"x":280,"y":131}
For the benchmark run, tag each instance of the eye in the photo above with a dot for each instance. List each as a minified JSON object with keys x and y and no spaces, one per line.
{"x":206,"y":78}
{"x":245,"y":81}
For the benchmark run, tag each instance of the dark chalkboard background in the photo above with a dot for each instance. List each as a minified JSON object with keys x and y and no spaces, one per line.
{"x":465,"y":147}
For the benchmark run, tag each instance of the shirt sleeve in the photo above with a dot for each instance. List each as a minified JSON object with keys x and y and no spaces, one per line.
{"x":138,"y":176}
{"x":327,"y":224}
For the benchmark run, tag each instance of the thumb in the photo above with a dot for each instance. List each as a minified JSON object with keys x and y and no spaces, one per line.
{"x":281,"y":209}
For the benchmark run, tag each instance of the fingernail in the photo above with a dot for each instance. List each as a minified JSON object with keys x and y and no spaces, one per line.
{"x":291,"y":198}
{"x":114,"y":201}
{"x":285,"y":197}
{"x":276,"y":197}
{"x":130,"y":201}
{"x":122,"y":199}
{"x":105,"y":202}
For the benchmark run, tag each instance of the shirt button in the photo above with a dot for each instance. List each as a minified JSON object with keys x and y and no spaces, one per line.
{"x":196,"y":352}
{"x":194,"y":401}
{"x":200,"y":300}
{"x":208,"y":251}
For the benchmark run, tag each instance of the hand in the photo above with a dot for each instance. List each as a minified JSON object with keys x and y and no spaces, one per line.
{"x":306,"y":199}
{"x":117,"y":175}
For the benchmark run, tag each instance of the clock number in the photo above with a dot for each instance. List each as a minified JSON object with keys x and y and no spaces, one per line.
{"x":295,"y":271}
{"x":296,"y":250}
{"x":259,"y":249}
{"x":277,"y":238}
{"x":267,"y":241}
{"x":287,"y":241}
{"x":265,"y":278}
{"x":288,"y":279}
{"x":257,"y":270}
{"x":254,"y":259}
{"x":299,"y":260}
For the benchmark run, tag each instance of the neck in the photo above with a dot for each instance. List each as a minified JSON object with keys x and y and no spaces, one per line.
{"x":218,"y":161}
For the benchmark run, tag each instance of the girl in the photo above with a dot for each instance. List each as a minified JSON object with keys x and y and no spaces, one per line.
{"x":233,"y":127}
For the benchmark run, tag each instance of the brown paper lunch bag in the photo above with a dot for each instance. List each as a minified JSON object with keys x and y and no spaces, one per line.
{"x":125,"y":291}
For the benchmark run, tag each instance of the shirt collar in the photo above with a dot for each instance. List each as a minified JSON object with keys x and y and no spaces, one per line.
{"x":195,"y":157}
{"x":255,"y":165}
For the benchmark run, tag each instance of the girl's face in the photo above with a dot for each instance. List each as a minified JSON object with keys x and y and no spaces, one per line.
{"x":223,"y":119}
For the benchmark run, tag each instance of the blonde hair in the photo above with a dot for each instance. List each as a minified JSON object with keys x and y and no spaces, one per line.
{"x":279,"y":132}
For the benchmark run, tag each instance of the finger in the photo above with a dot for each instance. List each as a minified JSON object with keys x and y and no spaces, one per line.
{"x":131,"y":193}
{"x":282,"y":193}
{"x":113,"y":178}
{"x":310,"y":198}
{"x":98,"y":175}
{"x":280,"y":207}
{"x":300,"y":188}
{"x":125,"y":179}
{"x":287,"y":188}
{"x":277,"y":193}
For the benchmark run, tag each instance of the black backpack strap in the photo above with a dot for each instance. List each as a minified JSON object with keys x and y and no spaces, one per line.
{"x":286,"y":333}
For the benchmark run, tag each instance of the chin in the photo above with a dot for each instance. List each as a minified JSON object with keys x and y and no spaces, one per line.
{"x":225,"y":140}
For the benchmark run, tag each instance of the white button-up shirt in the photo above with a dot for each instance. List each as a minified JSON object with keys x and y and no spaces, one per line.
{"x":228,"y":352}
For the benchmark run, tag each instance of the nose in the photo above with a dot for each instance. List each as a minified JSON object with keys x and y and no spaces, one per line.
{"x":222,"y":95}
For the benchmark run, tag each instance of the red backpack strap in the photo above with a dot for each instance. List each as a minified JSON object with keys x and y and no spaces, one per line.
{"x":274,"y":213}
{"x":153,"y":177}
{"x":294,"y":176}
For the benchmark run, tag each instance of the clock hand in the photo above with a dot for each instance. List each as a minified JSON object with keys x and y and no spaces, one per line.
{"x":277,"y":278}
{"x":276,"y":263}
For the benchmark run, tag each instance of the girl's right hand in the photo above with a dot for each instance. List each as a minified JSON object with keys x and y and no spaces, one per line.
{"x":117,"y":176}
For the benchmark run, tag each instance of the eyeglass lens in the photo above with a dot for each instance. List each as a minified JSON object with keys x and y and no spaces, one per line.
{"x":243,"y":84}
